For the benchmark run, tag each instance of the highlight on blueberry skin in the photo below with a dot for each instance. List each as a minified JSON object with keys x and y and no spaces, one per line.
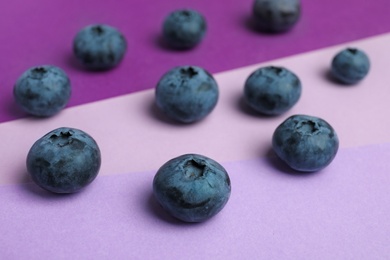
{"x":42,"y":90}
{"x":99,"y":47}
{"x":305,"y":143}
{"x":350,"y":65}
{"x":192,"y":187}
{"x":276,"y":15}
{"x":272,"y":90}
{"x":64,"y":160}
{"x":186,"y":94}
{"x":184,"y":29}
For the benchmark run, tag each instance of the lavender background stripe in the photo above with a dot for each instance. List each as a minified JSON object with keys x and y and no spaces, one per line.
{"x":41,"y":32}
{"x":338,"y":213}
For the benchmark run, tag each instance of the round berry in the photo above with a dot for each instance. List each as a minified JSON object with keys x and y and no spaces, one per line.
{"x":272,"y":90}
{"x":187,"y":94}
{"x":64,"y":160}
{"x":99,"y":47}
{"x":183,"y":29}
{"x":276,"y":15}
{"x":192,"y":188}
{"x":42,"y":91}
{"x":305,"y":143}
{"x":350,"y":66}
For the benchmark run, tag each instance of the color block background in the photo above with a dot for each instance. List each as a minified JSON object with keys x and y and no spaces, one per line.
{"x":338,"y":213}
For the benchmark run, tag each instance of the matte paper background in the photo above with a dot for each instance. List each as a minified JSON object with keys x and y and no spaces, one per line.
{"x":274,"y":213}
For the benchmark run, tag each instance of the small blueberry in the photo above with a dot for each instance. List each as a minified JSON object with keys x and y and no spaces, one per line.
{"x":272,"y":90}
{"x":305,"y":143}
{"x":183,"y":29}
{"x":99,"y":47}
{"x":187,"y":94}
{"x":192,"y":187}
{"x":42,"y":91}
{"x":64,"y":160}
{"x":350,"y":65}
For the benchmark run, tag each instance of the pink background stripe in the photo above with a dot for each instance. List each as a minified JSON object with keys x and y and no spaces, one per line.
{"x":41,"y":32}
{"x":341,"y":212}
{"x":133,"y":137}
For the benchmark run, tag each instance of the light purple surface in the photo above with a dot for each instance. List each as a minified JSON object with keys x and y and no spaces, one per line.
{"x":338,"y":213}
{"x":41,"y":32}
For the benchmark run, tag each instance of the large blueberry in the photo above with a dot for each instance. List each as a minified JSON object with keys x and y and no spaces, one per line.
{"x":99,"y":46}
{"x":350,"y":65}
{"x":276,"y":15}
{"x":305,"y":143}
{"x":272,"y":90}
{"x":43,"y":90}
{"x":64,"y":160}
{"x":192,"y":187}
{"x":184,"y":29}
{"x":187,"y":93}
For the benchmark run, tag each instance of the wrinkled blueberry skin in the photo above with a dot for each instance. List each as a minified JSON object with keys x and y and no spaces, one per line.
{"x":192,"y":187}
{"x":65,"y":160}
{"x":99,"y":47}
{"x":276,"y":15}
{"x":187,"y":94}
{"x":350,"y":65}
{"x":42,"y":91}
{"x":305,"y":143}
{"x":183,"y":29}
{"x":272,"y":90}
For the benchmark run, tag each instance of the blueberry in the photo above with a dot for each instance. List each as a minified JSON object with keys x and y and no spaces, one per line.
{"x":305,"y":143}
{"x":183,"y":29}
{"x":64,"y":160}
{"x":272,"y":90}
{"x":99,"y":47}
{"x":42,"y":91}
{"x":187,"y":93}
{"x":350,"y":66}
{"x":276,"y":15}
{"x":192,"y":188}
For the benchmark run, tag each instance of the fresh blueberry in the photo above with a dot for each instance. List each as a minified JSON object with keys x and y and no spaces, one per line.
{"x":350,"y":65}
{"x":64,"y":160}
{"x":192,"y":188}
{"x":99,"y":47}
{"x":42,"y":91}
{"x":276,"y":15}
{"x":305,"y":143}
{"x":187,"y":93}
{"x":272,"y":90}
{"x":183,"y":29}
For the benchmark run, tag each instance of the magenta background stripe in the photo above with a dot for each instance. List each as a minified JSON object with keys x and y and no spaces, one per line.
{"x":341,"y":212}
{"x":41,"y":32}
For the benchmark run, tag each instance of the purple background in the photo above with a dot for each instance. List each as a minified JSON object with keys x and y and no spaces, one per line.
{"x":41,"y":32}
{"x":340,"y":212}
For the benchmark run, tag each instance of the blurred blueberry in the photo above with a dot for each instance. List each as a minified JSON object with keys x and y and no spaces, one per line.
{"x":99,"y":47}
{"x":191,"y":187}
{"x":350,"y":66}
{"x":305,"y":143}
{"x":42,"y":91}
{"x":187,"y":93}
{"x":276,"y":15}
{"x":272,"y":90}
{"x":64,"y":160}
{"x":183,"y":29}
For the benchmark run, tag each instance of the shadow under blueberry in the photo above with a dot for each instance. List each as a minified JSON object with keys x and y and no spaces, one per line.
{"x":72,"y":62}
{"x":243,"y":107}
{"x":157,"y":114}
{"x":13,"y":109}
{"x":249,"y":22}
{"x":327,"y":75}
{"x":158,"y":211}
{"x":275,"y":162}
{"x":161,"y":43}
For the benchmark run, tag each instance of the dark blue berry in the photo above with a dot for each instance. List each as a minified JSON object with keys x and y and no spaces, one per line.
{"x":192,"y":188}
